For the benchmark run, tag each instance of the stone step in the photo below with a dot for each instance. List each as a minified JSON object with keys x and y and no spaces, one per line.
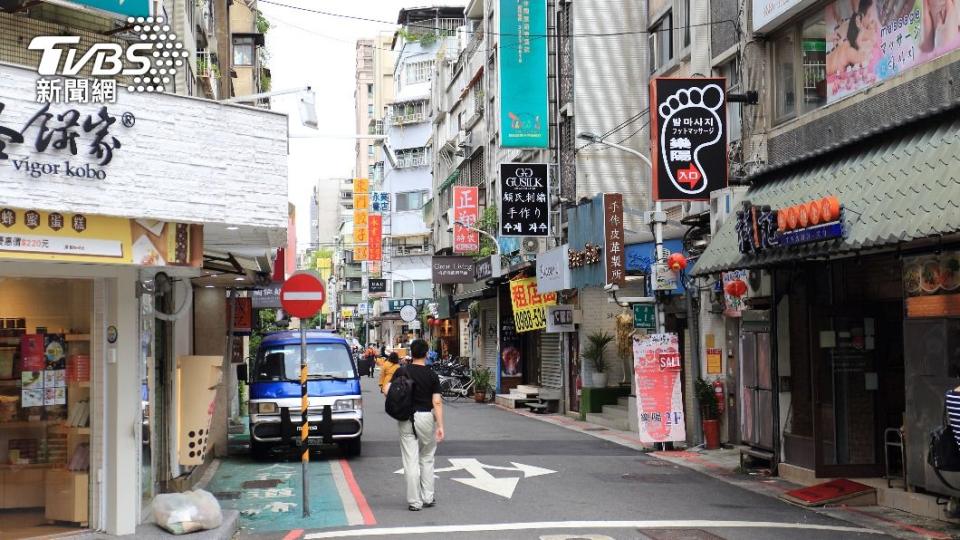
{"x":606,"y":421}
{"x":618,"y":412}
{"x":527,"y":389}
{"x":522,"y":395}
{"x":623,"y":401}
{"x":512,"y":401}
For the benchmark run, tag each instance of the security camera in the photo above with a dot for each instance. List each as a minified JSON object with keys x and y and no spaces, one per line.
{"x":611,"y":287}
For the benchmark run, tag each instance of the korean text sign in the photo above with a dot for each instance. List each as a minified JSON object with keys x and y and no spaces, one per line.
{"x":524,"y":119}
{"x":614,"y":252}
{"x":688,"y":133}
{"x":529,"y":306}
{"x":525,"y":199}
{"x":656,"y":370}
{"x":465,"y":210}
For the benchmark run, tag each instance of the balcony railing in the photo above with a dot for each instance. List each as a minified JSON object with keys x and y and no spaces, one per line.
{"x":412,"y":160}
{"x":411,"y":118}
{"x":375,"y":128}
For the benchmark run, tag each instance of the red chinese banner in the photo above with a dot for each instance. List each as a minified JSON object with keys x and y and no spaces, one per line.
{"x":656,"y":368}
{"x":375,"y":235}
{"x":465,"y":210}
{"x":614,"y":252}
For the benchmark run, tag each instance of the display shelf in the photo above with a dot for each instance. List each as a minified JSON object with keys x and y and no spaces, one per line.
{"x":63,"y":428}
{"x":26,"y":424}
{"x":77,"y":337}
{"x":9,"y":382}
{"x":12,"y":467}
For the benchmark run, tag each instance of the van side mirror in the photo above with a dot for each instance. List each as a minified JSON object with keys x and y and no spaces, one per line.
{"x":242,"y":372}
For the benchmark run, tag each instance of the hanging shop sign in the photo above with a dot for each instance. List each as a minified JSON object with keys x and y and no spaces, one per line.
{"x":525,"y":199}
{"x":408,"y":313}
{"x":362,"y":308}
{"x":346,"y":313}
{"x":466,"y":210}
{"x":375,"y":237}
{"x":656,"y":361}
{"x":735,"y":291}
{"x":380,"y":201}
{"x":397,"y":304}
{"x":614,"y":256}
{"x":377,"y":286}
{"x":689,"y":138}
{"x":242,"y":316}
{"x":453,"y":270}
{"x":760,"y":228}
{"x":529,"y":305}
{"x":267,"y":297}
{"x":560,"y":319}
{"x":552,"y":272}
{"x":931,"y":285}
{"x":644,"y":316}
{"x":769,"y":14}
{"x":641,"y":258}
{"x":524,"y":117}
{"x":483,"y":269}
{"x":361,"y":214}
{"x":69,"y":237}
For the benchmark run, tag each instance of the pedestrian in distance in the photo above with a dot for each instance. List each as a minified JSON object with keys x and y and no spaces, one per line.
{"x":390,"y":366}
{"x":420,"y":434}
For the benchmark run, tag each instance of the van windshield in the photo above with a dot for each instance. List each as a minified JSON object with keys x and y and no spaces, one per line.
{"x":324,"y":361}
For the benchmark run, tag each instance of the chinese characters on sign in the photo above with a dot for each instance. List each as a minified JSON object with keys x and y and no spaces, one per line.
{"x":560,"y":319}
{"x":76,"y":90}
{"x":525,"y":199}
{"x":453,"y":270}
{"x":656,"y":367}
{"x":361,"y":231}
{"x":760,"y":228}
{"x":613,"y":246}
{"x":380,"y":201}
{"x":375,"y":231}
{"x":465,"y":210}
{"x":529,"y":306}
{"x":523,"y":74}
{"x":689,"y":137}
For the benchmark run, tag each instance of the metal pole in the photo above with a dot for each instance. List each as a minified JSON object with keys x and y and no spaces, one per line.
{"x":304,"y":419}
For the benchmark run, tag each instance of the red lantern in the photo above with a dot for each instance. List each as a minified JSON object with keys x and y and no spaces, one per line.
{"x":676,"y":262}
{"x":736,"y":288}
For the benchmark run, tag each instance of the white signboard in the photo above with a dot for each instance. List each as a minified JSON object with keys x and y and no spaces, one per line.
{"x":553,"y":273}
{"x":769,"y":14}
{"x":560,"y":319}
{"x":408,"y":313}
{"x":60,"y":245}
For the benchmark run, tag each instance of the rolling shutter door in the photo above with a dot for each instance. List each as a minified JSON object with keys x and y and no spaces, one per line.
{"x":551,"y":363}
{"x":489,"y":319}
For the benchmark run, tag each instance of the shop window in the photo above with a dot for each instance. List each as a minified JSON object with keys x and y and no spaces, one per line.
{"x":684,"y":24}
{"x":731,"y":72}
{"x":243,"y":48}
{"x":46,"y":414}
{"x":804,"y":45}
{"x":661,"y":42}
{"x":411,"y":200}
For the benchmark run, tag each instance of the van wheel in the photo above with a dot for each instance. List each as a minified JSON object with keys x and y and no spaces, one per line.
{"x":351,"y":448}
{"x":259,"y":451}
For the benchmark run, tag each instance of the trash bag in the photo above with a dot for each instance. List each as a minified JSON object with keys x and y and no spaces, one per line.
{"x":186,"y":512}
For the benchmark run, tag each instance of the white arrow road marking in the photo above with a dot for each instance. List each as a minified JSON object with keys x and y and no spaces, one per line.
{"x":530,"y":471}
{"x":503,"y":487}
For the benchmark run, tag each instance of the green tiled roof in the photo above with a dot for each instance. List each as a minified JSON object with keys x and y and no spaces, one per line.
{"x":895,"y":188}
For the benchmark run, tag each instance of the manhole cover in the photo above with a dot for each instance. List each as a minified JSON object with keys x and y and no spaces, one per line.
{"x":227,"y":495}
{"x":679,"y":534}
{"x":261,"y":484}
{"x":596,"y":429}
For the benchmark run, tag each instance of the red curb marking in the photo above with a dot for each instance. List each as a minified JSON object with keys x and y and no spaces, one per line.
{"x":901,"y":525}
{"x":365,"y":511}
{"x":294,"y":534}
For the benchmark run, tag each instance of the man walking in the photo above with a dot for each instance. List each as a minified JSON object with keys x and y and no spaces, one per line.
{"x":419,"y":438}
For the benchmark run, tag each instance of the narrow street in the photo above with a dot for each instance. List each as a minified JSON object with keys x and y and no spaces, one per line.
{"x":501,"y":475}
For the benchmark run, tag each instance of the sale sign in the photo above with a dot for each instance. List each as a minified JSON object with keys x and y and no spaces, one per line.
{"x":656,"y":368}
{"x":529,"y":306}
{"x":466,"y":210}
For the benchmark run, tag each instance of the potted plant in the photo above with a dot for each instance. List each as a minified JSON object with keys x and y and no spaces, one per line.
{"x":709,"y":413}
{"x":597,"y":343}
{"x":481,"y":383}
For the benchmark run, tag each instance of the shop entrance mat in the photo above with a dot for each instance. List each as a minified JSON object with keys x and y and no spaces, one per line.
{"x":832,"y":492}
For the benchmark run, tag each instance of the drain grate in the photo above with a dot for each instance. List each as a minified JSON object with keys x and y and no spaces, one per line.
{"x":261,"y":484}
{"x":679,"y":534}
{"x":227,"y":495}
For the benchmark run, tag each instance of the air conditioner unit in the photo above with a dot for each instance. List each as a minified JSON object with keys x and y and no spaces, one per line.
{"x":465,"y":139}
{"x":723,"y":204}
{"x":530,"y":244}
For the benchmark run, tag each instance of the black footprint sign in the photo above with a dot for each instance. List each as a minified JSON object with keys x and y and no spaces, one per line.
{"x":689,"y":138}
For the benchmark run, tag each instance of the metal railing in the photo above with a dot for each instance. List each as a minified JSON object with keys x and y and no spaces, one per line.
{"x":410,"y":118}
{"x":412,"y":160}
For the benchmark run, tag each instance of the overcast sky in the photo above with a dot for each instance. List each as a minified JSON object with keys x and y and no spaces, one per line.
{"x":319,"y":50}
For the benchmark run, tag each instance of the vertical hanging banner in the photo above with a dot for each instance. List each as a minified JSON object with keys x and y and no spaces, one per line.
{"x":656,"y":371}
{"x":688,"y":134}
{"x":613,"y":246}
{"x":524,"y":118}
{"x":466,"y":210}
{"x":361,"y":209}
{"x":525,"y":199}
{"x":375,"y":234}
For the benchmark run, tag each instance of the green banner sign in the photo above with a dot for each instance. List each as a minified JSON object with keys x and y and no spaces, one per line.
{"x":524,"y":116}
{"x":644,"y":316}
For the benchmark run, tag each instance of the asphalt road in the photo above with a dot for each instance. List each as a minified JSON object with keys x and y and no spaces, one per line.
{"x":512,"y":477}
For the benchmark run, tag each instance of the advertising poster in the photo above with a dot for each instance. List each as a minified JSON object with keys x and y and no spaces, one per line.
{"x":466,"y":211}
{"x":525,"y":199}
{"x":932,"y":285}
{"x":656,"y":367}
{"x":689,"y":137}
{"x":511,"y":355}
{"x":524,"y":117}
{"x":735,"y":289}
{"x":529,"y":306}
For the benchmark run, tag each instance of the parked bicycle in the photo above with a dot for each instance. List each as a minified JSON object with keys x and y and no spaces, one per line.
{"x":457,"y":388}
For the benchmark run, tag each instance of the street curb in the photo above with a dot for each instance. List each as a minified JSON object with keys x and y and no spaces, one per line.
{"x":770,"y":487}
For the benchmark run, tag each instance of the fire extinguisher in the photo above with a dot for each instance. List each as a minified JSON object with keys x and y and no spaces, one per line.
{"x":718,"y":394}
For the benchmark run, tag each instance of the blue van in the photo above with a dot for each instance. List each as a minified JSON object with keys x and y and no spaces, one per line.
{"x":274,"y":379}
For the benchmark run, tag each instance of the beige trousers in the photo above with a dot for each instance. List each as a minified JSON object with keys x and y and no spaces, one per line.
{"x":418,"y":452}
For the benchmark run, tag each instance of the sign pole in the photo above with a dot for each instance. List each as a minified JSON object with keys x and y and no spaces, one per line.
{"x":304,"y":418}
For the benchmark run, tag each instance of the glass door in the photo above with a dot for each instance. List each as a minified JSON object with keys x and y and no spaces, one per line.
{"x":845,"y":394}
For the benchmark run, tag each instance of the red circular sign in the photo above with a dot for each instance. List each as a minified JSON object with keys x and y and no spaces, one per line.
{"x":302,"y":295}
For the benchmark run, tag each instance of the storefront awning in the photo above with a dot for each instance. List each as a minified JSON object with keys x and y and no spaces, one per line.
{"x":895,"y":187}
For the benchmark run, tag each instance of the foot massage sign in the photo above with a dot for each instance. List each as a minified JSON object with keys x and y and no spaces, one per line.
{"x":656,"y":368}
{"x":688,"y":138}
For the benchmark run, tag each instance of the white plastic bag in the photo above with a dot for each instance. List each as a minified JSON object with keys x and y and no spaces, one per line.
{"x":182,"y":513}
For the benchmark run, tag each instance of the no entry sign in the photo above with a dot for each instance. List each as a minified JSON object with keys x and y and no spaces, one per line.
{"x":302,"y":295}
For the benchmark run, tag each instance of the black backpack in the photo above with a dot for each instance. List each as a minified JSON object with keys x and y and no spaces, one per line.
{"x":399,"y":402}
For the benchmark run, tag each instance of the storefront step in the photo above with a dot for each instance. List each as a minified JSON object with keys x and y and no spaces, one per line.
{"x":608,"y":422}
{"x":513,"y":401}
{"x":618,"y":412}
